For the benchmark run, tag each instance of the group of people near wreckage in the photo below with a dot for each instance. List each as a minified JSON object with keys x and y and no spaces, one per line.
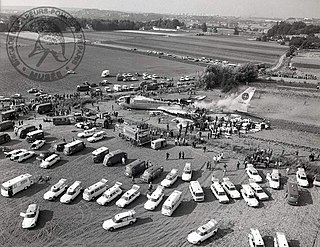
{"x":260,"y":156}
{"x":226,"y":126}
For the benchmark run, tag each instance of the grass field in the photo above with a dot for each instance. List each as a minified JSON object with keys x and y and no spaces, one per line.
{"x":223,"y":47}
{"x":94,"y":61}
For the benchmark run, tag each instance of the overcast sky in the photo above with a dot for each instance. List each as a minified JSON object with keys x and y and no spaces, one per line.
{"x":260,"y":8}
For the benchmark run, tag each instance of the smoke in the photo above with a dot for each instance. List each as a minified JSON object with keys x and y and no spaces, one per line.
{"x":225,"y":104}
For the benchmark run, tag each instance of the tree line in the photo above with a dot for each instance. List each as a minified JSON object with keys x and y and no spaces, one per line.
{"x":53,"y":24}
{"x":227,"y":77}
{"x":296,"y":28}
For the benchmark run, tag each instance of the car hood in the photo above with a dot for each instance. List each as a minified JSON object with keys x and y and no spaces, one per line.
{"x":91,"y":139}
{"x":121,"y":202}
{"x":102,"y":200}
{"x":66,"y":198}
{"x":166,"y":182}
{"x":27,"y":222}
{"x":257,"y":178}
{"x":49,"y":194}
{"x":303,"y":183}
{"x":252,"y":202}
{"x":150,"y":205}
{"x":186,"y":177}
{"x":108,"y":224}
{"x":235,"y":194}
{"x":223,"y":199}
{"x":194,"y":237}
{"x":274,"y":184}
{"x":44,"y":164}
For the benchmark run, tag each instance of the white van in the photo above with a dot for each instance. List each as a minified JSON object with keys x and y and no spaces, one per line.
{"x":95,"y":190}
{"x":16,"y":184}
{"x":172,"y":202}
{"x":159,"y":143}
{"x":196,"y":191}
{"x":280,"y":240}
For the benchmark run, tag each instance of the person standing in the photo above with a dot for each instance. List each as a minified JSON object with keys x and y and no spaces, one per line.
{"x":180,"y":155}
{"x":238,"y":165}
{"x":183,"y":155}
{"x":167,"y":155}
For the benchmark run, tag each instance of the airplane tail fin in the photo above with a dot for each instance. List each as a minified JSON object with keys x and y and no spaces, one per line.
{"x":241,"y":102}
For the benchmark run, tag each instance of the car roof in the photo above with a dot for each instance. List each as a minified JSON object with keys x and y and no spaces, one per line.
{"x":115,"y":187}
{"x":159,"y":190}
{"x":187,"y":166}
{"x":282,"y":241}
{"x":100,"y":150}
{"x":256,"y":236}
{"x":301,"y":171}
{"x":74,"y":185}
{"x":32,"y":208}
{"x":125,"y":214}
{"x":218,"y":186}
{"x":247,"y":188}
{"x":255,"y":186}
{"x":98,"y":184}
{"x":175,"y":194}
{"x":196,"y":186}
{"x":59,"y":183}
{"x":228,"y":182}
{"x":209,"y":225}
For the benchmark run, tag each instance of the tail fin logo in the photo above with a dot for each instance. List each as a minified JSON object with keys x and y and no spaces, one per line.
{"x":245,"y":96}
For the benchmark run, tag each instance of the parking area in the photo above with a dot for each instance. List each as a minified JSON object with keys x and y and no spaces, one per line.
{"x":80,"y":223}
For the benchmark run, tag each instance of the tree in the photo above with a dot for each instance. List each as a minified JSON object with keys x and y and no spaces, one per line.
{"x":247,"y":73}
{"x":204,"y":27}
{"x":236,"y":31}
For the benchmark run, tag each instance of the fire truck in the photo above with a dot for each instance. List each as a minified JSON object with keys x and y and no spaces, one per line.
{"x":137,"y":134}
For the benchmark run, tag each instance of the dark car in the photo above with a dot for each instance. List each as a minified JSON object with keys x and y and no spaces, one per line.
{"x":152,"y":173}
{"x":44,"y":155}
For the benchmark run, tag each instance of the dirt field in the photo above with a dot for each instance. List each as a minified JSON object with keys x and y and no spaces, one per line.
{"x":80,"y":223}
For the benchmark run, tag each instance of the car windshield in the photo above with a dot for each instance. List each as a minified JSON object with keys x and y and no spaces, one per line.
{"x":259,"y":191}
{"x":231,"y":188}
{"x":154,"y":199}
{"x":303,"y":177}
{"x":71,"y":192}
{"x":30,"y":215}
{"x":170,"y":176}
{"x":250,"y":195}
{"x":187,"y":172}
{"x":199,"y":194}
{"x":275,"y":179}
{"x":199,"y":232}
{"x":254,"y":173}
{"x":4,"y":188}
{"x":116,"y":220}
{"x":126,"y":198}
{"x":55,"y":189}
{"x":221,"y":193}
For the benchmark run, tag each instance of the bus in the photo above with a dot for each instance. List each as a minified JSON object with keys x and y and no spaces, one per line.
{"x":4,"y":138}
{"x":16,"y":184}
{"x":8,"y":115}
{"x":8,"y":124}
{"x":35,"y":135}
{"x":61,"y":120}
{"x":83,"y":88}
{"x":24,"y":130}
{"x":73,"y":147}
{"x":44,"y":108}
